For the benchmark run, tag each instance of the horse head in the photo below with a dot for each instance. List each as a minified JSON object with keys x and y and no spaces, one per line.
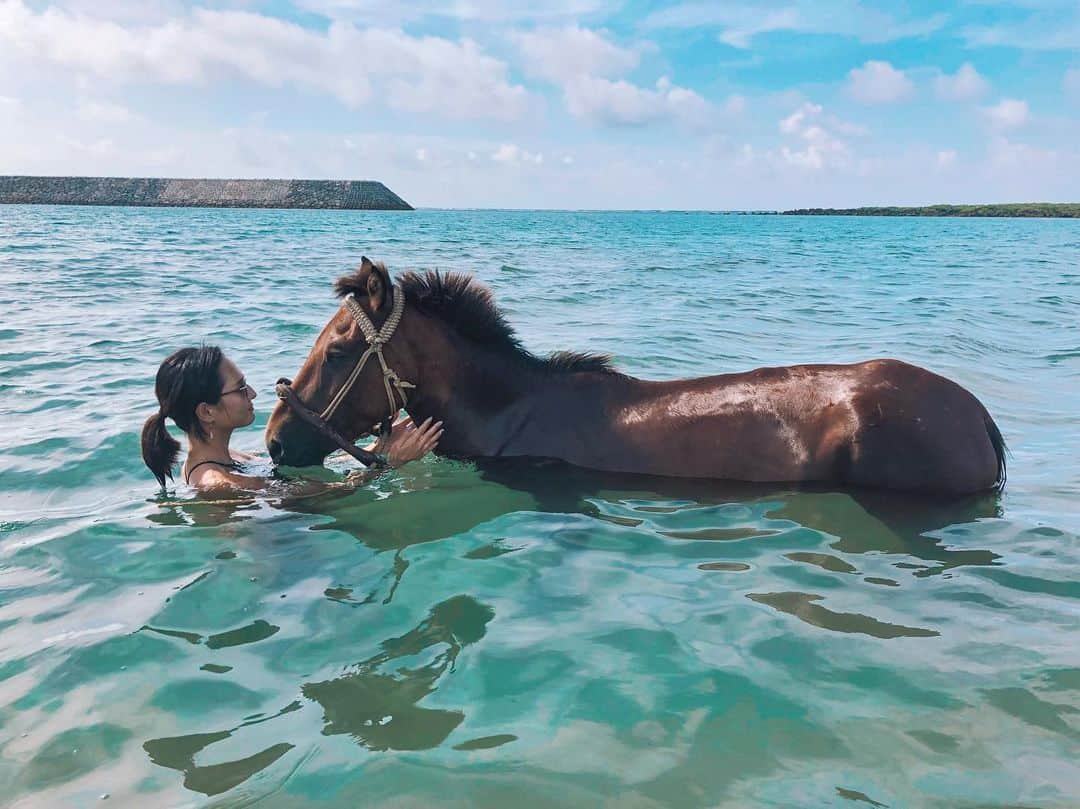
{"x":353,"y":376}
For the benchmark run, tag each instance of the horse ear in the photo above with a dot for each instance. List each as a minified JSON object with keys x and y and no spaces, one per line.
{"x":378,"y":283}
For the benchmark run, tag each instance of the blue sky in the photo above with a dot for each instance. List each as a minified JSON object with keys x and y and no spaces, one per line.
{"x":561,"y":104}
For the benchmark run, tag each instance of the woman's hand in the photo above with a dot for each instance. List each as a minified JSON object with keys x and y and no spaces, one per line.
{"x":407,"y":442}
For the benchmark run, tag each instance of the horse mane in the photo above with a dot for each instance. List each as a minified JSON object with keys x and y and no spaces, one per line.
{"x":469,"y":308}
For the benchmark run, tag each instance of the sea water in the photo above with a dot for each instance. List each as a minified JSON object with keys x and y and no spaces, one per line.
{"x":450,"y":635}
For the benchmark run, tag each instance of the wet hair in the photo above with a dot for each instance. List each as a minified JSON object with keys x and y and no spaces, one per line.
{"x":185,"y":379}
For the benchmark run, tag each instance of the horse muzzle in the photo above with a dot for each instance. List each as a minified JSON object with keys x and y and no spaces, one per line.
{"x":298,"y":436}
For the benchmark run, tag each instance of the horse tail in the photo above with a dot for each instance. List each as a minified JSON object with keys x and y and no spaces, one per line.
{"x":1000,"y":450}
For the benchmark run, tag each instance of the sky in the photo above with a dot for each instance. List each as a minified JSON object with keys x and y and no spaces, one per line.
{"x":557,"y":103}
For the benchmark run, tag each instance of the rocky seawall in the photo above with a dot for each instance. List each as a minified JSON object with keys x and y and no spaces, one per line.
{"x":179,"y":193}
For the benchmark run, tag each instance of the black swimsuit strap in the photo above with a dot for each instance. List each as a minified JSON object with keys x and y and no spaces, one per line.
{"x":230,"y":465}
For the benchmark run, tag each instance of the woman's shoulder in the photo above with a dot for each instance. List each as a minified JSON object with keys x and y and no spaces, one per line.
{"x":223,"y":477}
{"x":217,"y":475}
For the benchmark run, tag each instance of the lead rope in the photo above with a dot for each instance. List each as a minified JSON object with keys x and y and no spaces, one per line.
{"x":376,"y":340}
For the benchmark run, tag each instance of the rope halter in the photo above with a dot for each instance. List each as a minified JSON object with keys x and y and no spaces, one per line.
{"x":376,"y":339}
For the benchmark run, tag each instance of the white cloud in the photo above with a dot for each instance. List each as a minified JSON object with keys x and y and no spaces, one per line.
{"x":672,"y":173}
{"x":1031,"y":173}
{"x":71,"y":71}
{"x":586,"y":65}
{"x":1046,"y":30}
{"x":395,"y":12}
{"x":454,"y":79}
{"x":735,"y":106}
{"x":794,"y":122}
{"x":685,"y":105}
{"x":563,"y":54}
{"x":964,"y":85}
{"x":425,"y":74}
{"x":619,"y":102}
{"x":816,"y":146}
{"x":103,"y":112}
{"x":512,"y":154}
{"x":128,"y":11}
{"x":1005,"y":153}
{"x":743,"y":26}
{"x":810,"y":113}
{"x":742,"y":21}
{"x":848,"y":128}
{"x":1010,"y":113}
{"x":879,"y":82}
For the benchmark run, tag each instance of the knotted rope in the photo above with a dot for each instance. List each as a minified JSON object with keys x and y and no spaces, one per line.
{"x":376,"y":339}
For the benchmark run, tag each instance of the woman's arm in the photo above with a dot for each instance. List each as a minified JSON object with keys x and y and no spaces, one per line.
{"x":406,"y":442}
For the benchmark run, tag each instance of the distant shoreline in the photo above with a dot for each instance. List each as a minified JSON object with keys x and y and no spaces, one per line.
{"x":1057,"y":210}
{"x":157,"y":192}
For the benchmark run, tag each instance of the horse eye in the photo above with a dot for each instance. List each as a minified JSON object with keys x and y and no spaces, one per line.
{"x":335,"y":352}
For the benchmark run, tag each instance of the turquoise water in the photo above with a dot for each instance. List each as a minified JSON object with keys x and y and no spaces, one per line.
{"x":458,"y":636}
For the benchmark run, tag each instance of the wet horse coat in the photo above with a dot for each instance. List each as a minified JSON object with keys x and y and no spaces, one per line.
{"x":882,"y":423}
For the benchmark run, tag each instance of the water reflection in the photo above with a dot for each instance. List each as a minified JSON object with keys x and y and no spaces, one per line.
{"x":851,"y":523}
{"x":179,"y":752}
{"x":375,"y":702}
{"x":379,"y":708}
{"x":450,"y":498}
{"x":803,"y":607}
{"x":251,"y":633}
{"x":862,"y":521}
{"x":886,"y":522}
{"x":795,"y":532}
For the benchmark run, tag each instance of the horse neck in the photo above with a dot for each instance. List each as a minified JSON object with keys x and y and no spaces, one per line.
{"x":480,"y":393}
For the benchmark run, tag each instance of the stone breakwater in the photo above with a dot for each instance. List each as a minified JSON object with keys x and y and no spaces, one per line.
{"x":180,"y":193}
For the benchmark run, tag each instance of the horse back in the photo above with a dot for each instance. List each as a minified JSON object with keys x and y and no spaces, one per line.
{"x":879,"y":423}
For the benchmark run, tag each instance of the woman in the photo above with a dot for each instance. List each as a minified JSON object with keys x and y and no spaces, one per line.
{"x":207,"y":397}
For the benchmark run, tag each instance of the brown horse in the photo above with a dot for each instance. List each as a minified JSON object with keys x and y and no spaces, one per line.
{"x":882,"y":423}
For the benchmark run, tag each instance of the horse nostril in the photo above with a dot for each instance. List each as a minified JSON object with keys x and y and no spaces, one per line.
{"x":275,"y":450}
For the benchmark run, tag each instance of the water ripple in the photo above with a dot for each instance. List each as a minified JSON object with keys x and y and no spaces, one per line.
{"x":450,"y":635}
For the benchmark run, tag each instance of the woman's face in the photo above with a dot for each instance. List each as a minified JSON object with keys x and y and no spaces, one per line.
{"x":234,"y":408}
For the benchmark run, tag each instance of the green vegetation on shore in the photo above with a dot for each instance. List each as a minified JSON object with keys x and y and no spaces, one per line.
{"x":1066,"y":210}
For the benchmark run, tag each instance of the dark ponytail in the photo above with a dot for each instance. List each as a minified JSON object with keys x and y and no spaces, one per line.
{"x":184,"y":380}
{"x":159,"y":449}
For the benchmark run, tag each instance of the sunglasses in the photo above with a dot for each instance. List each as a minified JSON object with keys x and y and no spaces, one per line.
{"x":243,"y":386}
